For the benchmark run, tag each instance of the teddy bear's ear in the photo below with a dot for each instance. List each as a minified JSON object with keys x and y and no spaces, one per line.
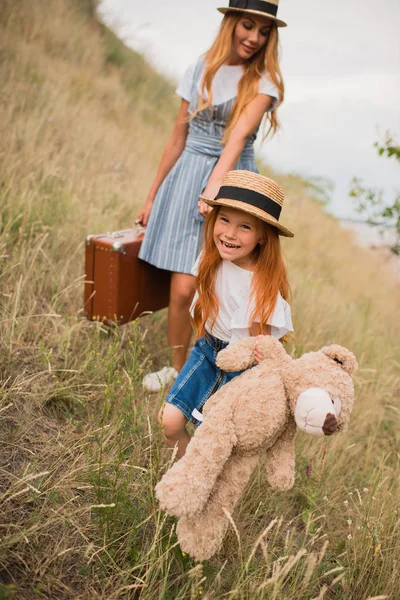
{"x":342,"y":357}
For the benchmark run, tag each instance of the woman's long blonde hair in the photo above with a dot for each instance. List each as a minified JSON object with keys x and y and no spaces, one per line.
{"x":270,"y":277}
{"x":265,"y":60}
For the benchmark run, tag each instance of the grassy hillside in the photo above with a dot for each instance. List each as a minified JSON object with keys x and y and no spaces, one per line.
{"x":83,"y":121}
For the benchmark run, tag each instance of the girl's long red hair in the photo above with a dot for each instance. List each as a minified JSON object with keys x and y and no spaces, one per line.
{"x":270,"y":277}
{"x":265,"y":60}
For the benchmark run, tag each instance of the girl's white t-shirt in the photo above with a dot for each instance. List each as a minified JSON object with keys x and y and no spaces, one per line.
{"x":233,"y":287}
{"x":224,"y":85}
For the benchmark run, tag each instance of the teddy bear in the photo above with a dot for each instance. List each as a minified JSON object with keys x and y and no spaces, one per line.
{"x":255,"y":414}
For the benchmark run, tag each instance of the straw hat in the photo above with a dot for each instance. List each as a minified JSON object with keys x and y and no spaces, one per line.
{"x":254,"y":194}
{"x":263,"y":8}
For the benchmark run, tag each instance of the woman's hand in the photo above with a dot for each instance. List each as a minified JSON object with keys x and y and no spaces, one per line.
{"x":143,"y":216}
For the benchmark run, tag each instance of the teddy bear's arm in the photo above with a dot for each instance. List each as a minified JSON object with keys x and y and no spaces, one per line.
{"x":237,"y":356}
{"x":240,"y":355}
{"x":185,"y":488}
{"x":202,"y":534}
{"x":280,"y":464}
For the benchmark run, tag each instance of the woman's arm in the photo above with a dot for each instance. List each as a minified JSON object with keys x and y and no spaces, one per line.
{"x":248,"y":122}
{"x":172,"y":152}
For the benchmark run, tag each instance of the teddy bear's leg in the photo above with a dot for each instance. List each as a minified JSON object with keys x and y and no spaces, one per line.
{"x":280,"y":465}
{"x":201,"y":535}
{"x":186,"y":486}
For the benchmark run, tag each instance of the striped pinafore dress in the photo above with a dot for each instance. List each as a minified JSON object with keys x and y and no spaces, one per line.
{"x":174,"y":232}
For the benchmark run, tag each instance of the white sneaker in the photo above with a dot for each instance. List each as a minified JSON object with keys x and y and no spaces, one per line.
{"x":154,"y":382}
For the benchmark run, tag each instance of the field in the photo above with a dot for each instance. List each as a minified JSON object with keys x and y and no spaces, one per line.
{"x":83,"y":122}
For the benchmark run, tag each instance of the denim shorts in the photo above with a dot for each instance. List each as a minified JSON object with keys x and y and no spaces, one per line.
{"x":199,"y":378}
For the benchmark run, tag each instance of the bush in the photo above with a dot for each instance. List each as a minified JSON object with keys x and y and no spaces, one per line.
{"x":371,"y":202}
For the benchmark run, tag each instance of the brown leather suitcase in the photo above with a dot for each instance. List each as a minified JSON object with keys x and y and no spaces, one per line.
{"x":119,"y":287}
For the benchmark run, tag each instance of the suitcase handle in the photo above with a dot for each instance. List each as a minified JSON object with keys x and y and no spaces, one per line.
{"x":118,"y":234}
{"x":115,"y":235}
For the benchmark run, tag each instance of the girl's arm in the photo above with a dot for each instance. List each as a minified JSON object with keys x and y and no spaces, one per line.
{"x":172,"y":152}
{"x":255,"y":330}
{"x":248,"y":122}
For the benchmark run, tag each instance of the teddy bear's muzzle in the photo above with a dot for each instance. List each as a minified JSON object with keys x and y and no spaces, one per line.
{"x":312,"y":407}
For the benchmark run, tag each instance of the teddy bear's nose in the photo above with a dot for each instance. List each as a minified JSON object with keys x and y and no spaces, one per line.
{"x":312,"y":407}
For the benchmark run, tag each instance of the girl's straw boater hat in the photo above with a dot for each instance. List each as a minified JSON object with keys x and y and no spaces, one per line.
{"x":254,"y":194}
{"x":256,"y":7}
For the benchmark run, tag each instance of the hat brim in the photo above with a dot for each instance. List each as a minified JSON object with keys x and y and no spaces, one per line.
{"x":252,"y":210}
{"x":278,"y":22}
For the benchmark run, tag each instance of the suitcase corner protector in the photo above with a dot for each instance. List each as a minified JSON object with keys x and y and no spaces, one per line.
{"x":118,"y":247}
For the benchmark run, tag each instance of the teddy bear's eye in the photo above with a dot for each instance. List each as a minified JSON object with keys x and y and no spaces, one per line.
{"x":337,"y":360}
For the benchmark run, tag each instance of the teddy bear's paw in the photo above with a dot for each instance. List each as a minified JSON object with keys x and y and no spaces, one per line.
{"x":169,"y":499}
{"x":237,"y":356}
{"x":284,"y":484}
{"x":281,"y":481}
{"x":198,"y":540}
{"x":177,"y":496}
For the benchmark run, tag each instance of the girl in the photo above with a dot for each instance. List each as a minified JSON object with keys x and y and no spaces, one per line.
{"x":242,"y":286}
{"x":224,"y":97}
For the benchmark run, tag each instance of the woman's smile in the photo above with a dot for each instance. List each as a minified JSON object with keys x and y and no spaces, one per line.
{"x":250,"y":49}
{"x":250,"y":35}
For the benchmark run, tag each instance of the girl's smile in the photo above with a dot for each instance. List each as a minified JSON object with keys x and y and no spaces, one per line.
{"x":250,"y":35}
{"x":236,"y":235}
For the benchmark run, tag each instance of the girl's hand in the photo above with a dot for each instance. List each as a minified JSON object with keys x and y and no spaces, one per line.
{"x":258,"y":356}
{"x":210,"y":191}
{"x":204,"y":208}
{"x":143,"y":216}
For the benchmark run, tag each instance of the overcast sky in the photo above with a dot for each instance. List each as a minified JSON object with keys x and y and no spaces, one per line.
{"x":341,"y":67}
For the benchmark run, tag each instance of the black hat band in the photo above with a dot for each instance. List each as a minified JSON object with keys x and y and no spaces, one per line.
{"x":256,"y":199}
{"x":260,"y":5}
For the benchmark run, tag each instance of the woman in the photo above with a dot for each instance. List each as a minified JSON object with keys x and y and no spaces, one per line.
{"x":224,"y":98}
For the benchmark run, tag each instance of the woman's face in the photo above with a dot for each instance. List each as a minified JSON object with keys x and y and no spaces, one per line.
{"x":249,"y":36}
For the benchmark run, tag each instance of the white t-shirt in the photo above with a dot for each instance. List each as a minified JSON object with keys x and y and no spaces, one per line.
{"x":232,"y":287}
{"x":224,"y":85}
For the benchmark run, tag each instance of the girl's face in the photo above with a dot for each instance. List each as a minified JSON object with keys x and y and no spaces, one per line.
{"x":236,"y":235}
{"x":250,"y":35}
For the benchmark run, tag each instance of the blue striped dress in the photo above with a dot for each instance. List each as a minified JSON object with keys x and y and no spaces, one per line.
{"x":174,"y":232}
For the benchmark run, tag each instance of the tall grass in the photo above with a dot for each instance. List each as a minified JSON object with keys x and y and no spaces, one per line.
{"x":83,"y":122}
